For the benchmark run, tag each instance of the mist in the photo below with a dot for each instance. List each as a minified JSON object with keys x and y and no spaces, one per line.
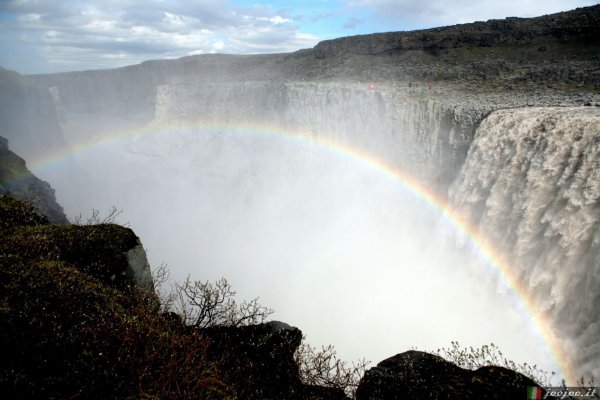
{"x":334,"y":246}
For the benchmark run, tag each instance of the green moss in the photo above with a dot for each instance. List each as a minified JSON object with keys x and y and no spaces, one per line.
{"x":97,"y":250}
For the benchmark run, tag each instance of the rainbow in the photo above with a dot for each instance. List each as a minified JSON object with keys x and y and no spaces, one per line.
{"x":493,"y":259}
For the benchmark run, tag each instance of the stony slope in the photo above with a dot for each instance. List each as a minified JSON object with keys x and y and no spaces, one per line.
{"x":17,"y":180}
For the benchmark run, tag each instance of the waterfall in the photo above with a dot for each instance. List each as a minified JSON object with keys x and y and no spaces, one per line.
{"x":528,"y":178}
{"x":531,"y":183}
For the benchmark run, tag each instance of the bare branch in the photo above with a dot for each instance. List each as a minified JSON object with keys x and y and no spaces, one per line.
{"x":96,"y":219}
{"x":324,"y":368}
{"x":205,"y":304}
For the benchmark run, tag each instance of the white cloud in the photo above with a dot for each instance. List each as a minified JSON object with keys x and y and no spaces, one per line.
{"x":352,"y":23}
{"x":29,"y":18}
{"x":47,"y":35}
{"x":218,"y":45}
{"x":279,"y":20}
{"x":135,"y":30}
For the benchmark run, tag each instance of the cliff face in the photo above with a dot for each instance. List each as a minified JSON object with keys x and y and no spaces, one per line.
{"x":28,"y":117}
{"x":421,"y":129}
{"x":564,"y":28}
{"x":560,"y":47}
{"x":16,"y":179}
{"x":420,"y":135}
{"x":127,"y":95}
{"x":558,"y":51}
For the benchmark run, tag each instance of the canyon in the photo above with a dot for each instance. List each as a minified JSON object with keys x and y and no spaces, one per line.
{"x":499,"y":120}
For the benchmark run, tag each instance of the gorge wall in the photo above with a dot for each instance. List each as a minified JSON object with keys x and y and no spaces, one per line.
{"x":29,"y":118}
{"x":527,"y":177}
{"x":420,"y":135}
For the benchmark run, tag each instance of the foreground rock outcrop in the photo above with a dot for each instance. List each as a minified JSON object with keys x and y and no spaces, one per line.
{"x":73,"y":321}
{"x":260,"y":363}
{"x":415,"y":375}
{"x":104,"y":252}
{"x":77,"y":320}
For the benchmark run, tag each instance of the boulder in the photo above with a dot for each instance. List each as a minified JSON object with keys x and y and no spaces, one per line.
{"x":258,"y":362}
{"x":109,"y":253}
{"x":417,"y":375}
{"x":138,"y":268}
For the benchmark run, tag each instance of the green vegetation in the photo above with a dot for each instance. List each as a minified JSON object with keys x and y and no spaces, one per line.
{"x":16,"y":214}
{"x":74,"y":325}
{"x":324,"y":368}
{"x":490,"y":355}
{"x":71,"y":329}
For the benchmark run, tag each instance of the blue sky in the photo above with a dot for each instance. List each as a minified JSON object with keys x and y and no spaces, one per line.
{"x":41,"y":36}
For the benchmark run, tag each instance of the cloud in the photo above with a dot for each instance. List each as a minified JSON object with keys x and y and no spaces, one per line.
{"x":352,"y":23}
{"x":109,"y":33}
{"x":39,"y":36}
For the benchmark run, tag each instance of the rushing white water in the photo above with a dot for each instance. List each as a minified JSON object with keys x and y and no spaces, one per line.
{"x":531,"y":182}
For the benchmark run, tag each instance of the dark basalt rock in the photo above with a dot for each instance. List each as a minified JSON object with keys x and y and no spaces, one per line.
{"x":68,"y":314}
{"x":313,"y":392}
{"x":417,"y":375}
{"x":109,"y":253}
{"x":258,"y":362}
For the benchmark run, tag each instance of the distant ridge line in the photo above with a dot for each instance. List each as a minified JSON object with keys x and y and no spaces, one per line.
{"x":581,"y":24}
